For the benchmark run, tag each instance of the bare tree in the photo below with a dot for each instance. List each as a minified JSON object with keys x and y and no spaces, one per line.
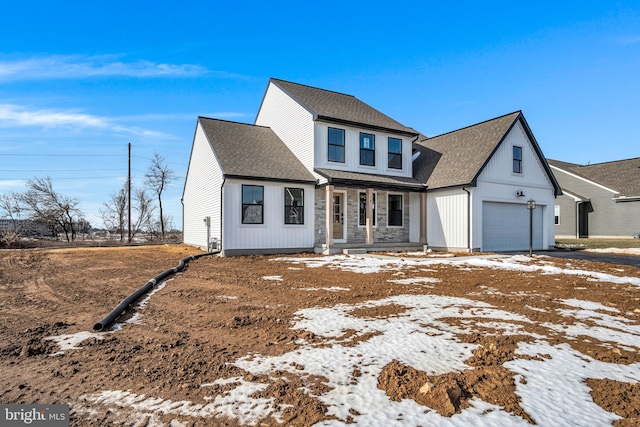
{"x":59,"y":213}
{"x":144,"y":209}
{"x":114,"y":212}
{"x":157,"y":178}
{"x":11,"y":208}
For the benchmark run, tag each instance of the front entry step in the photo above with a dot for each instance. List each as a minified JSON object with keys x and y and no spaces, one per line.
{"x":354,"y":251}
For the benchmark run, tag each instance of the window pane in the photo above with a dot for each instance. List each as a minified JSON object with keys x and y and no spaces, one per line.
{"x":252,"y":214}
{"x":367,"y":157}
{"x":293,"y":205}
{"x":367,"y":141}
{"x":517,"y":153}
{"x":336,"y":136}
{"x":517,"y":166}
{"x":395,"y":145}
{"x":395,"y":210}
{"x":336,"y":154}
{"x":395,"y":161}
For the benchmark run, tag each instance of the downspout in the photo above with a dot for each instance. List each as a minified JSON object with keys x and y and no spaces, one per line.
{"x":469,"y":249}
{"x":224,"y":179}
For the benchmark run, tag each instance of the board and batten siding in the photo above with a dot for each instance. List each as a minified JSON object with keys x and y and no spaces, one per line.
{"x":290,"y":121}
{"x":447,"y":224}
{"x":498,"y":183}
{"x":273,"y":233}
{"x":352,"y":151}
{"x":202,"y":193}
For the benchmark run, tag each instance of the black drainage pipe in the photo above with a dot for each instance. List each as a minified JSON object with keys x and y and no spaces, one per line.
{"x":116,"y":312}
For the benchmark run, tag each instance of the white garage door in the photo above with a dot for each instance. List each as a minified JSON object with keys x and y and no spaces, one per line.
{"x":505,"y":227}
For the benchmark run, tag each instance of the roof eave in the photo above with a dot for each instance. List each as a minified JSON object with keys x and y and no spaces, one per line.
{"x":366,"y":126}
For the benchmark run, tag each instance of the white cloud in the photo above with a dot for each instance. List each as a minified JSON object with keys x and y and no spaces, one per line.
{"x":629,"y":40}
{"x":77,"y":66}
{"x":11,"y":184}
{"x":12,"y":115}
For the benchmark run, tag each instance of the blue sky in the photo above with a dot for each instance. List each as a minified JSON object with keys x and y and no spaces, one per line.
{"x":80,"y":80}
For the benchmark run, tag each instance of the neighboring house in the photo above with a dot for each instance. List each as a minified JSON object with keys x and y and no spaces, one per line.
{"x":600,"y":200}
{"x":321,"y":170}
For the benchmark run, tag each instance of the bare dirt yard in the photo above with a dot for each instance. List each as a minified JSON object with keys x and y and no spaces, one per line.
{"x":400,"y":339}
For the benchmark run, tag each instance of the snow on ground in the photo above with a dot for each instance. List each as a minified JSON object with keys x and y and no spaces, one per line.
{"x":421,"y":337}
{"x":624,"y":251}
{"x":70,"y":341}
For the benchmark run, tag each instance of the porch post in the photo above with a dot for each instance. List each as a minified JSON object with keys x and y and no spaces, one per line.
{"x":329,"y":215}
{"x":423,"y":218}
{"x":369,"y":216}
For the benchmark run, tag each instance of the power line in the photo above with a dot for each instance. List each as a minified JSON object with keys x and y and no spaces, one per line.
{"x":61,"y":155}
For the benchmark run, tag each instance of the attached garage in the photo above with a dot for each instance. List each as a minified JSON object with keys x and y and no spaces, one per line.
{"x":505,"y":227}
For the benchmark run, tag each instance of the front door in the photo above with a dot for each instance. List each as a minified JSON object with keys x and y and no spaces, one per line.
{"x":338,"y":216}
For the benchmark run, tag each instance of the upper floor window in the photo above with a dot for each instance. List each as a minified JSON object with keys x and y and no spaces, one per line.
{"x":395,"y":210}
{"x":252,"y":204}
{"x":336,"y":145}
{"x":367,"y":149}
{"x":395,"y":153}
{"x":362,"y":214}
{"x":293,"y":205}
{"x":517,"y":159}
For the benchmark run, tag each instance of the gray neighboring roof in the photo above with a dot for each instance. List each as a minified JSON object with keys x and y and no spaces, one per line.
{"x":250,"y":151}
{"x":356,"y":178}
{"x":622,"y":176}
{"x":338,"y":107}
{"x":457,"y":158}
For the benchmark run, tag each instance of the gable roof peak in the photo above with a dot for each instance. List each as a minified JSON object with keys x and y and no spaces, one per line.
{"x":339,"y":108}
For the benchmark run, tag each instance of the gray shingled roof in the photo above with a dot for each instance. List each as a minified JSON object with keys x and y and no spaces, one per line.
{"x":622,"y":176}
{"x":456,"y":158}
{"x":355,"y":178}
{"x":245,"y":150}
{"x":340,"y":108}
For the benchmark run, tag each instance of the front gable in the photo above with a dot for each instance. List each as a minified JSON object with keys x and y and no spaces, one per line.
{"x":500,"y":168}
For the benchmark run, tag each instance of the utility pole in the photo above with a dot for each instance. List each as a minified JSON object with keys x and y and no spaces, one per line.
{"x":129,"y":193}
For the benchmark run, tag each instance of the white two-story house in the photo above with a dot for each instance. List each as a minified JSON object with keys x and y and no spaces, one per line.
{"x":320,"y":170}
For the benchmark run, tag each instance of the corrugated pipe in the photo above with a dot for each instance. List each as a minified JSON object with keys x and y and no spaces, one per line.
{"x":116,"y":312}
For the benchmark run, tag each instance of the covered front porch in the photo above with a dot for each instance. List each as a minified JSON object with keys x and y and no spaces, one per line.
{"x":369,"y":213}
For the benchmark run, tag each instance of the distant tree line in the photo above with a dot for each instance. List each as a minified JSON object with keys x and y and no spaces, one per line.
{"x":43,"y":212}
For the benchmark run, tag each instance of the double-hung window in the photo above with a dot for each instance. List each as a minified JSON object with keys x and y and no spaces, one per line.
{"x":336,"y":145}
{"x":252,"y":204}
{"x":367,"y":149}
{"x":395,"y":153}
{"x":293,"y":205}
{"x":517,"y":159}
{"x":362,"y":214}
{"x":557,"y":214}
{"x":395,"y":210}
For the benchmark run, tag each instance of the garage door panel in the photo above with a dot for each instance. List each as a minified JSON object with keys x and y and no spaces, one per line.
{"x":505,"y":227}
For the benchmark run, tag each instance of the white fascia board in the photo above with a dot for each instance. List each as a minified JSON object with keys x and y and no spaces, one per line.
{"x":573,"y":196}
{"x":584,"y":179}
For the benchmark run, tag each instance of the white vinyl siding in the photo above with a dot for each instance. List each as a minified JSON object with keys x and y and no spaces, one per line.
{"x":273,"y":233}
{"x":202,"y":193}
{"x":447,"y":223}
{"x":352,"y":151}
{"x":291,"y":122}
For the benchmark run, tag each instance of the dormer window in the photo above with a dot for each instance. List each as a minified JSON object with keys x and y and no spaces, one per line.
{"x":367,"y":149}
{"x":336,"y":145}
{"x":517,"y":159}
